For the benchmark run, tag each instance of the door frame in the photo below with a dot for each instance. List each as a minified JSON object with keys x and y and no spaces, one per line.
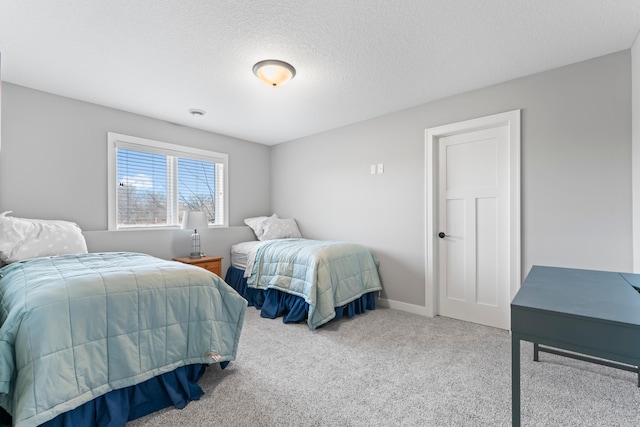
{"x":510,"y":119}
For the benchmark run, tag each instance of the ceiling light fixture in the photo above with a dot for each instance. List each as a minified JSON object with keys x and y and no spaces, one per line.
{"x":196,"y":113}
{"x":273,"y":72}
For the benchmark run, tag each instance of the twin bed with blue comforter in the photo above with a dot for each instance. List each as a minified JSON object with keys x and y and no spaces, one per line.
{"x":79,"y":329}
{"x":99,"y":339}
{"x":301,"y":279}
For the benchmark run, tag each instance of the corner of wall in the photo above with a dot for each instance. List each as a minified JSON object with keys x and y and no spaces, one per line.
{"x":635,"y":151}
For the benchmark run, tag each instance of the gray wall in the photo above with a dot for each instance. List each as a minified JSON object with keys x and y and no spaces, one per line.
{"x":635,"y":109}
{"x":576,"y":174}
{"x":53,"y":165}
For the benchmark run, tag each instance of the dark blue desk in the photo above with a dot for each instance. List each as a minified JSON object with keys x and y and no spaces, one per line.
{"x":596,"y":313}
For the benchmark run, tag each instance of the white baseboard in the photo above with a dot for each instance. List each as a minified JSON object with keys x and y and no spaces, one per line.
{"x":402,"y":306}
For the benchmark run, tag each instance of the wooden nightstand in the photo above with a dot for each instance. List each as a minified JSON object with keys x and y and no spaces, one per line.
{"x":211,"y":263}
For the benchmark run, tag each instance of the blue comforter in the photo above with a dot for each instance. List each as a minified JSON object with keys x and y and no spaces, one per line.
{"x":77,"y":326}
{"x":326,"y":274}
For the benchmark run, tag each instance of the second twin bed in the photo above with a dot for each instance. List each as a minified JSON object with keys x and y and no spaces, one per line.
{"x":302,"y":279}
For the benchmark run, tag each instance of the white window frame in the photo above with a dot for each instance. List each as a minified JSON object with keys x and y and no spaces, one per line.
{"x":116,"y":140}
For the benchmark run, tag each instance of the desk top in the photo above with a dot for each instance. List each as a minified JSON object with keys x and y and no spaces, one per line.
{"x":602,"y":295}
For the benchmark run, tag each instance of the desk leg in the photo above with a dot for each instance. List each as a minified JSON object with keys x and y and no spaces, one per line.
{"x":515,"y":379}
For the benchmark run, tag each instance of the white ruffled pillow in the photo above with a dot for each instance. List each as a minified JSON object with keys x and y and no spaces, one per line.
{"x":257,"y":224}
{"x":22,"y":238}
{"x":276,"y":228}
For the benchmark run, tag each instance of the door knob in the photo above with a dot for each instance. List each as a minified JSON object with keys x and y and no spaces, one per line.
{"x":442,"y":235}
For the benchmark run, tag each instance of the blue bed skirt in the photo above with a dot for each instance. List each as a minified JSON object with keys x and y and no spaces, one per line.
{"x":115,"y":408}
{"x":293,"y":309}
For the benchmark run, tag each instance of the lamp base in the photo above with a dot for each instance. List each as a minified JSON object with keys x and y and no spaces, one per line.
{"x":195,"y":255}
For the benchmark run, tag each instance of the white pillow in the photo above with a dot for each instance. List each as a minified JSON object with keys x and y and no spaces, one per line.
{"x":257,"y":224}
{"x":276,"y":228}
{"x":22,"y":238}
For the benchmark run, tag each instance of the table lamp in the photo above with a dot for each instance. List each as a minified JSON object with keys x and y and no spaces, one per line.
{"x":195,"y":220}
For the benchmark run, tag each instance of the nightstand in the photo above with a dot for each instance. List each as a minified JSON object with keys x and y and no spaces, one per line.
{"x":211,"y":263}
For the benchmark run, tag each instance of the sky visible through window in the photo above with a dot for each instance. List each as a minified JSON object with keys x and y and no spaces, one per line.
{"x":142,"y":187}
{"x":146,"y":171}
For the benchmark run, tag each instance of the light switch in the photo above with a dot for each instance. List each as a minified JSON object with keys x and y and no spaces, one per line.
{"x":380,"y":168}
{"x":373,"y":169}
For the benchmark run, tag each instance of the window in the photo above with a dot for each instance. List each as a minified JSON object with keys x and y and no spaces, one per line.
{"x":152,"y":183}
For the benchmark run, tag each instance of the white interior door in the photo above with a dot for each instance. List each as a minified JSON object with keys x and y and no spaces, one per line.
{"x":473,"y":226}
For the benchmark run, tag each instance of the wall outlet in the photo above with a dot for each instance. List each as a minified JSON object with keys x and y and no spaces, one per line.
{"x":373,"y":169}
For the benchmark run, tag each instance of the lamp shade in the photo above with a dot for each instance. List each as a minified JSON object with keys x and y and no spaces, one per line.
{"x":193,"y":220}
{"x":273,"y":72}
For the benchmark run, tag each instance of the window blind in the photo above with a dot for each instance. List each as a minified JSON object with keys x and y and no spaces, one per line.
{"x":157,"y":182}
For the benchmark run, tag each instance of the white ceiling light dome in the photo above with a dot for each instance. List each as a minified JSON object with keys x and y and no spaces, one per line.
{"x":274,"y":72}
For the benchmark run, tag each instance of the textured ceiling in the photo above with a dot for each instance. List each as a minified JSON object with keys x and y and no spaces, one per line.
{"x":354,"y":59}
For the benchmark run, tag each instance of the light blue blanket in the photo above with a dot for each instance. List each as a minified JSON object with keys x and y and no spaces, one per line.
{"x":326,"y":274}
{"x":77,"y":326}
